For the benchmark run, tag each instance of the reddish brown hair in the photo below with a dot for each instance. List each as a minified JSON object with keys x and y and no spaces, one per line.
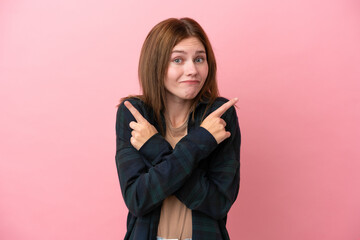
{"x":155,"y":58}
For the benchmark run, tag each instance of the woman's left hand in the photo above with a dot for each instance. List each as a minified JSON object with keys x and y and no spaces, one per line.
{"x":215,"y":124}
{"x":142,"y":130}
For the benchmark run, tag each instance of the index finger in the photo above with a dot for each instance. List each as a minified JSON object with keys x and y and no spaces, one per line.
{"x":221,"y":110}
{"x":138,"y":117}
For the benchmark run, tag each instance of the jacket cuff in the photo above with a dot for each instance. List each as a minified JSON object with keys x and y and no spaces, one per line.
{"x":153,"y":148}
{"x":203,"y":139}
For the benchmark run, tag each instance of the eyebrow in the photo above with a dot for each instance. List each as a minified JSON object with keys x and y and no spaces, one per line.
{"x":181,"y":51}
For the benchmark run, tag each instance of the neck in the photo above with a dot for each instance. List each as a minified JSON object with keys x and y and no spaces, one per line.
{"x":177,"y":111}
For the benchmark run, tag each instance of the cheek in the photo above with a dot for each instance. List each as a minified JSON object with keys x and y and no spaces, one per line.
{"x":171,"y":78}
{"x":205,"y":72}
{"x":173,"y":73}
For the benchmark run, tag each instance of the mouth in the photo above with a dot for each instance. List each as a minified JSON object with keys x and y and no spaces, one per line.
{"x":190,"y":81}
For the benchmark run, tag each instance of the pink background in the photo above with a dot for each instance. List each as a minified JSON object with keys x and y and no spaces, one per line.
{"x":295,"y":65}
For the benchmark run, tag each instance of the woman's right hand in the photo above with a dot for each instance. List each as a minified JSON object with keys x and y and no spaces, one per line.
{"x":142,"y":130}
{"x":215,"y":124}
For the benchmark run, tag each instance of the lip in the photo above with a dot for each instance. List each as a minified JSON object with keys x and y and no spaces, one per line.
{"x":190,"y":81}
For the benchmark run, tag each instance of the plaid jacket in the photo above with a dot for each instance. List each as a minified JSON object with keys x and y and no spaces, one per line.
{"x":203,"y":175}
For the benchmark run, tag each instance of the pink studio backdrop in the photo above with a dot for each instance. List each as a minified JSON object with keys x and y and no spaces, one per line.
{"x":295,"y":65}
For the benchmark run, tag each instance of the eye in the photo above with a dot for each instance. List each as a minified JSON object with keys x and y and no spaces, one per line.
{"x":177,"y":60}
{"x":199,"y":59}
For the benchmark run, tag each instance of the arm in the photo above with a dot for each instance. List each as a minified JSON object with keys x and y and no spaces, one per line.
{"x":213,"y":189}
{"x":144,"y":187}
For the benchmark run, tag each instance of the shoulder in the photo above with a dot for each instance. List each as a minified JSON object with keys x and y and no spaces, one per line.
{"x":204,"y":108}
{"x":124,"y":114}
{"x":136,"y":102}
{"x":218,"y":103}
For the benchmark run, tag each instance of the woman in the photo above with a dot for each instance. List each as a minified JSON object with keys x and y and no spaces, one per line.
{"x":178,"y":144}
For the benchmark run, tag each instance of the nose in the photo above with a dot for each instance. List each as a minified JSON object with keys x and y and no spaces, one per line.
{"x":190,"y":68}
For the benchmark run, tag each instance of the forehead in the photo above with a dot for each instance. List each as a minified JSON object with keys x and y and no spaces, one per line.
{"x":191,"y":43}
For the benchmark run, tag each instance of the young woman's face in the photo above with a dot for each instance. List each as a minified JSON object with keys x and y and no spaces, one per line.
{"x":187,"y":70}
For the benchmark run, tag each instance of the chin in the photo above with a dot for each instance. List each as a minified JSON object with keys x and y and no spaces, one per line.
{"x":190,"y":97}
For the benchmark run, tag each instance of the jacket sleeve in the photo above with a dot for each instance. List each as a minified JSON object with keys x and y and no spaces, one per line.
{"x":145,"y":186}
{"x":213,"y":189}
